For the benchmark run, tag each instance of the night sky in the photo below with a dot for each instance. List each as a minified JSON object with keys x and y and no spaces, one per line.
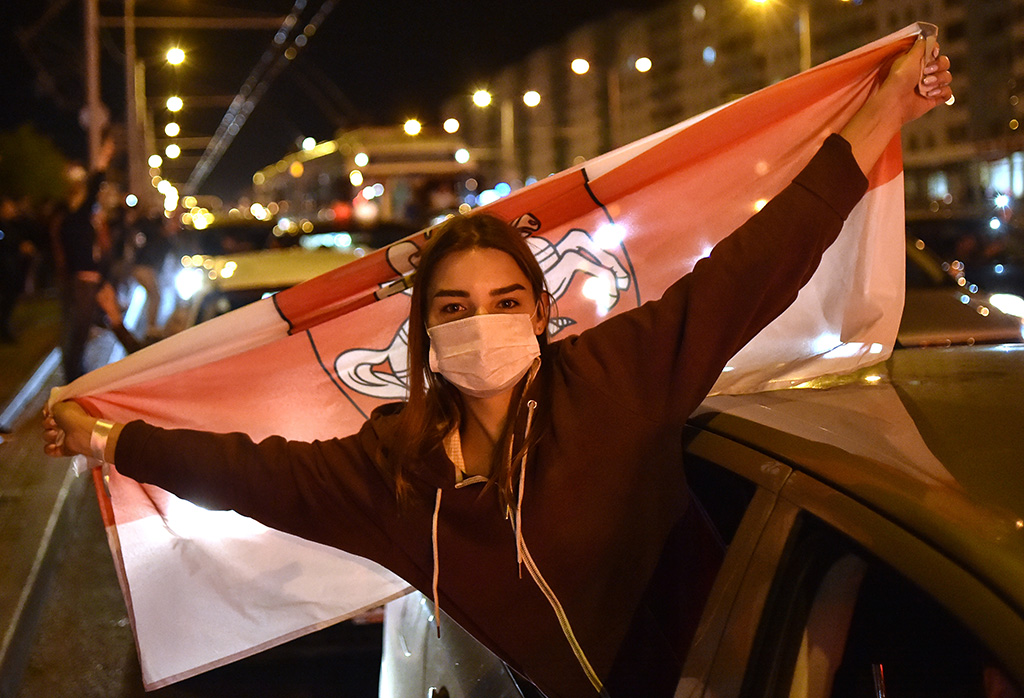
{"x":368,"y":63}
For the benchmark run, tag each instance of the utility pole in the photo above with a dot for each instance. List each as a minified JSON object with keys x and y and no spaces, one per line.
{"x":804,"y":19}
{"x":135,"y":107}
{"x":92,"y":118}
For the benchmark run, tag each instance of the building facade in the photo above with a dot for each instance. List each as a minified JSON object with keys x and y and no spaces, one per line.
{"x":700,"y":55}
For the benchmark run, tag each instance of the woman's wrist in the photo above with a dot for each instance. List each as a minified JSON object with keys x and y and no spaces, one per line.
{"x":103,"y":440}
{"x":85,"y":434}
{"x":111,"y":443}
{"x":78,"y":434}
{"x":98,"y":439}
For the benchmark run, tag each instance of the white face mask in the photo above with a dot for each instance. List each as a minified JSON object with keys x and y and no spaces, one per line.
{"x":484,"y":355}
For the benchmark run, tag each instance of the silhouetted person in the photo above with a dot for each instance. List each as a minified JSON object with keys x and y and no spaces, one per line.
{"x":79,"y":260}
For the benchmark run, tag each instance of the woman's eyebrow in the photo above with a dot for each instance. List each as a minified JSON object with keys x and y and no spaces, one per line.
{"x":507,"y":289}
{"x":457,"y":293}
{"x":460,"y":293}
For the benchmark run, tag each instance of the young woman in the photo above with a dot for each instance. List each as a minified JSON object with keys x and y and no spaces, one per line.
{"x":562,"y":460}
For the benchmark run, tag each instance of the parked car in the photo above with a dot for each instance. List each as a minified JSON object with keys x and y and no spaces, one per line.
{"x":209,"y":286}
{"x":229,"y":236}
{"x":873,"y":542}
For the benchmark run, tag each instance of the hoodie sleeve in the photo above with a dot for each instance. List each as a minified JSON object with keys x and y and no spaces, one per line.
{"x":662,"y":358}
{"x":326,"y":491}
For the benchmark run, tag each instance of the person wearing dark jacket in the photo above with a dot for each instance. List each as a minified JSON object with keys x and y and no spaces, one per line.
{"x":530,"y":488}
{"x":79,"y":259}
{"x":13,"y":241}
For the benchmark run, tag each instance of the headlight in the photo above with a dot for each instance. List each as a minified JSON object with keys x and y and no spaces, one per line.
{"x":188,"y":282}
{"x":1009,"y":303}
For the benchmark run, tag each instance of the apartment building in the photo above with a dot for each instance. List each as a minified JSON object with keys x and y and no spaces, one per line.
{"x":648,"y":70}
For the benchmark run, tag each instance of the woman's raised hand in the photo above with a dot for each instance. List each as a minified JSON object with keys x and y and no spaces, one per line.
{"x":898,"y":101}
{"x":911,"y":94}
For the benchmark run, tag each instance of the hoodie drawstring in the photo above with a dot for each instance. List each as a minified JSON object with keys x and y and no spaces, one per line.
{"x":523,"y":554}
{"x":531,"y":405}
{"x":437,"y":562}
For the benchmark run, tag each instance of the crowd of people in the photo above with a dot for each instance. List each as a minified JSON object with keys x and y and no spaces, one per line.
{"x":90,"y":249}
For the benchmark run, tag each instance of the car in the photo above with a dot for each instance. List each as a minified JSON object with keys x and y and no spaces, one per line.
{"x":241,"y":262}
{"x":941,"y":307}
{"x":211,"y":285}
{"x":989,"y":249}
{"x":232,"y":235}
{"x":872,"y":530}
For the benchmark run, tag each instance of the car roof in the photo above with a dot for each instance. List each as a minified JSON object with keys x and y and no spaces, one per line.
{"x":276,"y":269}
{"x":933,"y":439}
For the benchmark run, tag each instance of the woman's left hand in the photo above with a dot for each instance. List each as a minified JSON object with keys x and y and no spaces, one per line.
{"x":911,"y":94}
{"x":898,"y":101}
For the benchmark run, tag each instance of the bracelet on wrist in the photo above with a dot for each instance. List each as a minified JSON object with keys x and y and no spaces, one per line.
{"x":98,"y":439}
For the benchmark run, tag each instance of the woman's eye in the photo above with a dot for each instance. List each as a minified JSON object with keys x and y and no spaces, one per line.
{"x":451,"y":308}
{"x":508,"y":303}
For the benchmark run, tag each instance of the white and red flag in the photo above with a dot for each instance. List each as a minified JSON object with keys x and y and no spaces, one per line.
{"x":205,"y":588}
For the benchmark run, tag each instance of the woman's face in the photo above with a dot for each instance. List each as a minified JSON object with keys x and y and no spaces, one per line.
{"x":478,"y":281}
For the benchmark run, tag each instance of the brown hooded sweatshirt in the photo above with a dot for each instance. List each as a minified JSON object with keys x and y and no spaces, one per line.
{"x":604,"y":486}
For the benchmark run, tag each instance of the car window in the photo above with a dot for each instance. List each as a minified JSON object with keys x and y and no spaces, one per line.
{"x":925,"y":270}
{"x":680,"y":587}
{"x":839,"y":623}
{"x":723,"y":494}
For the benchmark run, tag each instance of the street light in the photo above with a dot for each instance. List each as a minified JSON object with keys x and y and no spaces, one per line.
{"x":481,"y":98}
{"x":175,"y":56}
{"x":580,"y":66}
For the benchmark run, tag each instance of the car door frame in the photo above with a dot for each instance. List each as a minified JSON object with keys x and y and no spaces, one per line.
{"x":726,"y":635}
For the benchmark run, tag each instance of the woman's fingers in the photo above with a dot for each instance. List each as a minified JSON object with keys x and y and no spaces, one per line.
{"x":53,"y":442}
{"x":937,"y":78}
{"x":938,"y":65}
{"x":910,"y":82}
{"x":60,"y":420}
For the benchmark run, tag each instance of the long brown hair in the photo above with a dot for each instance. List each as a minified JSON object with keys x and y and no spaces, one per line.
{"x":433,"y":407}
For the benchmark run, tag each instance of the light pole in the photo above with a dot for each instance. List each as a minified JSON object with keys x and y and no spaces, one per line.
{"x":135,"y":106}
{"x":506,"y":127}
{"x":803,"y":12}
{"x":613,"y":87}
{"x":804,"y":21}
{"x":94,"y":110}
{"x":508,"y":139}
{"x":640,"y":65}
